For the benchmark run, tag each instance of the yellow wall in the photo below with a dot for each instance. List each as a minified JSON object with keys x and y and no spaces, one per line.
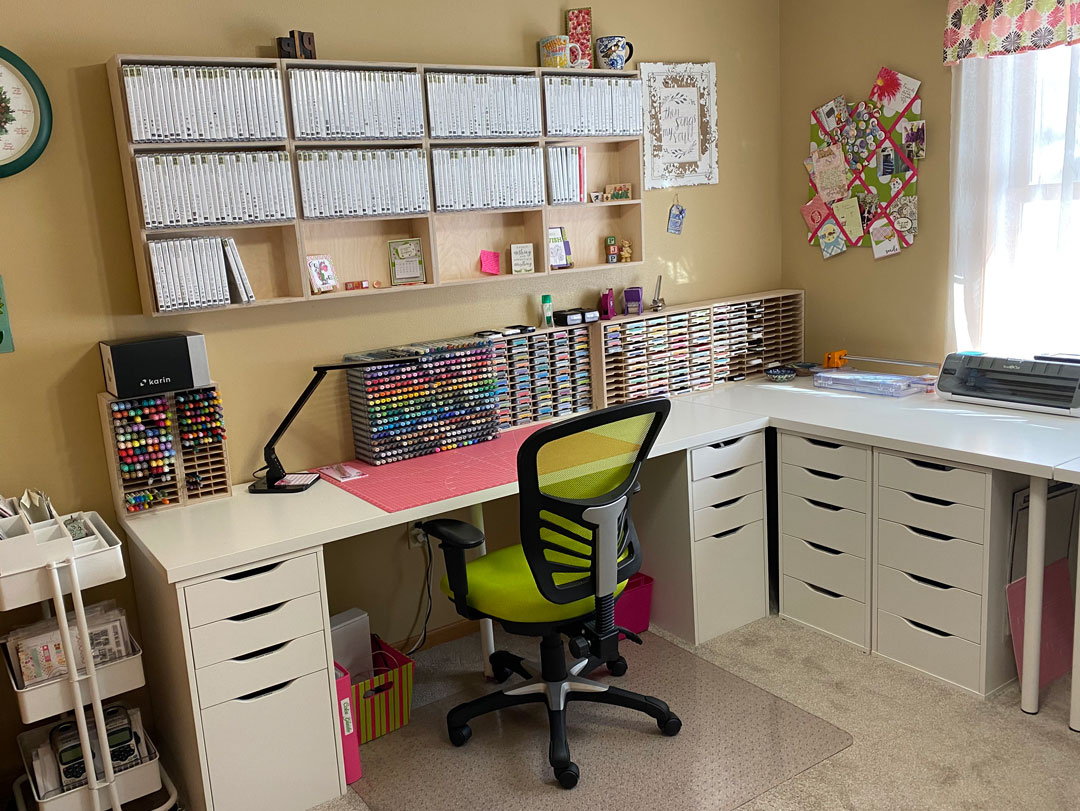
{"x":65,"y":250}
{"x":892,"y":307}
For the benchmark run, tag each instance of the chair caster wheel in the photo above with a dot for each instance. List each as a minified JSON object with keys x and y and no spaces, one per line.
{"x":501,"y":674}
{"x":568,"y":776}
{"x":459,"y":736}
{"x":618,"y":667}
{"x":670,"y":726}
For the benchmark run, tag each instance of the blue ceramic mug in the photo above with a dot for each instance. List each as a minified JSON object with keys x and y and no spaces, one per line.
{"x":613,"y":52}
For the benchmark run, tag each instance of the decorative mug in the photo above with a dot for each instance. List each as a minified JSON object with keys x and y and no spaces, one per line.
{"x":613,"y":52}
{"x":558,"y":52}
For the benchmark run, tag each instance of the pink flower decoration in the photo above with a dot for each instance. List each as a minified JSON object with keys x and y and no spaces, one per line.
{"x":1055,"y":17}
{"x":952,"y":36}
{"x":980,"y":29}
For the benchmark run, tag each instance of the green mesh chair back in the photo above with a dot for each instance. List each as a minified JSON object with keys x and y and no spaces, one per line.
{"x":568,"y":472}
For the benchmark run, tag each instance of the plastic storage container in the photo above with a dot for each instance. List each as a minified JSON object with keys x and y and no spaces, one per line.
{"x":870,"y":383}
{"x":634,"y":607}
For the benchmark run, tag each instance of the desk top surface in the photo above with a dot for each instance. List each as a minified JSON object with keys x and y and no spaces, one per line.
{"x":207,"y":538}
{"x":1023,"y":442}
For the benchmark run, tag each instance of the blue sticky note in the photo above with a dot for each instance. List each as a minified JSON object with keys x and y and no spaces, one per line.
{"x":7,"y":344}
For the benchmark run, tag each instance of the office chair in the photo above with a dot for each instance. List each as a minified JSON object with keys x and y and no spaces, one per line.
{"x":578,"y":548}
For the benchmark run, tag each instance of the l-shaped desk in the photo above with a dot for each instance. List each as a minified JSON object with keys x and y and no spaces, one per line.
{"x":235,"y":590}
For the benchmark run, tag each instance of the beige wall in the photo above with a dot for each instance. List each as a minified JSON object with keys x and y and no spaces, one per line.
{"x":65,"y":251}
{"x":893,"y":307}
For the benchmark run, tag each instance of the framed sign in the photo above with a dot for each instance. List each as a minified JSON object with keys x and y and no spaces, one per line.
{"x":680,"y":123}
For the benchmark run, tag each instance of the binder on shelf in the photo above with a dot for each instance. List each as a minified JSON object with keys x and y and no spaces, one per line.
{"x":483,"y":105}
{"x":357,"y":103}
{"x":488,"y":178}
{"x":197,"y":273}
{"x":593,"y":105}
{"x":566,"y":174}
{"x":363,"y":183}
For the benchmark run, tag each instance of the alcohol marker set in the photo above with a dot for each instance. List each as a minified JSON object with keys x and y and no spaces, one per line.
{"x":413,"y":406}
{"x":165,"y":450}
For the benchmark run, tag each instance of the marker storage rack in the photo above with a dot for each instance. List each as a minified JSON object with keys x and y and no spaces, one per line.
{"x":543,"y":374}
{"x":165,"y":450}
{"x":693,"y":347}
{"x":413,"y":406}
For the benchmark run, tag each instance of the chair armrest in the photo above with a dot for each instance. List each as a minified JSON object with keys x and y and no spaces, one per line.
{"x":453,"y":534}
{"x":454,"y":538}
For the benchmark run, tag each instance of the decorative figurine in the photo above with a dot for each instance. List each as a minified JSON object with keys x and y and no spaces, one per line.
{"x":626,"y":253}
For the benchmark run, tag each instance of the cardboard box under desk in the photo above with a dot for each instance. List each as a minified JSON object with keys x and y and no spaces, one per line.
{"x":384,"y":702}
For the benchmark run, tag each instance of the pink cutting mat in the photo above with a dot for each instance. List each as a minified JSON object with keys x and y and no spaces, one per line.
{"x":438,"y":476}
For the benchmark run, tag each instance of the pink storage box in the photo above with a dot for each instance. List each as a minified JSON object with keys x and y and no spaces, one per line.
{"x":350,"y":740}
{"x":634,"y":606}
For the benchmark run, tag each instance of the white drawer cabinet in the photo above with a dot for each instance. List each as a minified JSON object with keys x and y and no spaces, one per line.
{"x":241,"y":673}
{"x":728,"y":515}
{"x":729,"y":580}
{"x":727,"y":455}
{"x":941,"y":566}
{"x":825,"y":522}
{"x":728,"y":485}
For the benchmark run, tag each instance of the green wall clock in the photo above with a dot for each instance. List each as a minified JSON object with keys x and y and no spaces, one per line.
{"x":25,"y":115}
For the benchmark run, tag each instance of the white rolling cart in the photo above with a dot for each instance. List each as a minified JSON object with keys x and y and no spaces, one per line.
{"x":40,"y":563}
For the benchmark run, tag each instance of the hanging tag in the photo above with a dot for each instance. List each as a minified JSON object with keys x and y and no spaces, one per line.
{"x":675,"y":218}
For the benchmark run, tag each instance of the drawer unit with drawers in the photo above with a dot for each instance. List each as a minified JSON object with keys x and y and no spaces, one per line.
{"x":729,"y":540}
{"x":244,"y":657}
{"x":825,"y":531}
{"x":940,"y":553}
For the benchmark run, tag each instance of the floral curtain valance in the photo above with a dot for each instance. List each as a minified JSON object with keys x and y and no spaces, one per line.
{"x":977,"y":28}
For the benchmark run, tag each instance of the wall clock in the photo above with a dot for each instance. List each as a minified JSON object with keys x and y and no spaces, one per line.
{"x":25,"y":115}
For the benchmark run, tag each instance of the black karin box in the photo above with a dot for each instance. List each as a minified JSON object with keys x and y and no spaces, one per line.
{"x":172,"y":362}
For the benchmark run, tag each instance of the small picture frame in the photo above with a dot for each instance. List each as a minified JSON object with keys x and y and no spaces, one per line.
{"x":521,"y":258}
{"x":322,"y":275}
{"x":406,"y":262}
{"x":619,"y":191}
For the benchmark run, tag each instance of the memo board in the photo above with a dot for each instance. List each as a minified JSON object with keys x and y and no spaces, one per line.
{"x":871,"y":135}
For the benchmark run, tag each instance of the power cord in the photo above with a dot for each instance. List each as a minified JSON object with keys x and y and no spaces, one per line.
{"x":427,"y":581}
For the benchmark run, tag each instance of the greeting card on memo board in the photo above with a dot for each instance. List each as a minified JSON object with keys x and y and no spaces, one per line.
{"x":680,"y":124}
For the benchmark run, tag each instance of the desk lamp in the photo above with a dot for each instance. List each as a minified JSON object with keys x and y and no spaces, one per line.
{"x":274,"y":470}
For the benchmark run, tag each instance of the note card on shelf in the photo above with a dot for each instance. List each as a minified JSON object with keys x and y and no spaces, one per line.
{"x":489,"y":262}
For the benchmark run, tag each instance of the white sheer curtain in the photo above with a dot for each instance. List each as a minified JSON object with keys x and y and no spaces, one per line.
{"x":1014,"y":256}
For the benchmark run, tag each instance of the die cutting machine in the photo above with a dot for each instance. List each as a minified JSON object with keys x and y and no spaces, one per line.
{"x":1030,"y":385}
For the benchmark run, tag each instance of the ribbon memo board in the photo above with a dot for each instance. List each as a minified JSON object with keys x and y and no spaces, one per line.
{"x":863,"y":169}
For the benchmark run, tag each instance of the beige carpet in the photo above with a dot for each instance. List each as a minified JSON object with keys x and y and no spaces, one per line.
{"x":737,"y":741}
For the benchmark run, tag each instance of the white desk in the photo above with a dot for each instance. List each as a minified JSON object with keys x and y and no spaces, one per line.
{"x":209,"y":540}
{"x":245,"y":529}
{"x":1021,"y":442}
{"x":1070,"y":472}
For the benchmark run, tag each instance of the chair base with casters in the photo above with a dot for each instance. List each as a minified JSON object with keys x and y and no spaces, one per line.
{"x":555,"y":683}
{"x":578,"y":550}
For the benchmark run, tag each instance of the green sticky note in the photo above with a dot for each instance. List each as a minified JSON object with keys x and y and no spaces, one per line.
{"x":6,"y":342}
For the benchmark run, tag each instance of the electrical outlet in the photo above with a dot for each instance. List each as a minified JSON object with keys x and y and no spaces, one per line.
{"x":416,"y":537}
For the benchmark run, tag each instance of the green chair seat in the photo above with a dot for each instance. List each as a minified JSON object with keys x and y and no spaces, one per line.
{"x":501,"y":585}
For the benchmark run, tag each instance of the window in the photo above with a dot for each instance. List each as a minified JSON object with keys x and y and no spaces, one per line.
{"x":1014,"y":259}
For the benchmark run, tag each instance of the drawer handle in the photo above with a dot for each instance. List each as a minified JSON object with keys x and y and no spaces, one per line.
{"x":252,"y":572}
{"x":823,"y":474}
{"x":727,"y":503}
{"x":926,"y":581}
{"x":940,"y":502}
{"x":821,"y":443}
{"x":255,"y":654}
{"x":727,"y":443}
{"x":726,"y":473}
{"x":730,"y":531}
{"x":937,"y":536}
{"x":919,"y":626}
{"x":820,"y":548}
{"x":931,"y":465}
{"x":824,"y":592}
{"x":258,"y":612}
{"x":265,"y":692}
{"x":822,"y":505}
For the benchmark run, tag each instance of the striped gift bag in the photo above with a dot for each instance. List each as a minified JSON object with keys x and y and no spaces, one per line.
{"x":385,"y":700}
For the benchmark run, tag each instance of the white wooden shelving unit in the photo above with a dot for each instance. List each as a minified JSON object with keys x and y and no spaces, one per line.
{"x":52,"y":565}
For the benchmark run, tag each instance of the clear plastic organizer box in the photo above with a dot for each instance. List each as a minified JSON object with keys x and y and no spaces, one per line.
{"x":870,"y":383}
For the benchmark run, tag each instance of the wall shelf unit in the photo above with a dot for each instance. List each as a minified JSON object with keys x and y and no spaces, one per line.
{"x":274,"y":253}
